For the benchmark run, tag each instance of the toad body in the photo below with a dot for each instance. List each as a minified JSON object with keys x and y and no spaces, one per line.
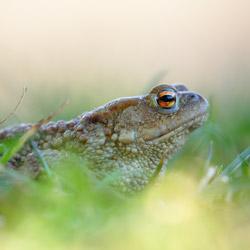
{"x":127,"y":135}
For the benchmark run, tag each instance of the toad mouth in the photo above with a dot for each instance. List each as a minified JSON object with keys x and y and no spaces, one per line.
{"x":188,"y":125}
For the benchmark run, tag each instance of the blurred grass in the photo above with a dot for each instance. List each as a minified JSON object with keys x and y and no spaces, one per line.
{"x":72,"y":213}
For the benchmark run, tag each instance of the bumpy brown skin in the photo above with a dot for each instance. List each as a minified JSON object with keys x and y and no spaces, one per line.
{"x":128,"y":135}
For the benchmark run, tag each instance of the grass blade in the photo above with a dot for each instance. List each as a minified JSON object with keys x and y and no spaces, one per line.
{"x":13,"y":150}
{"x":41,"y":158}
{"x":231,"y":168}
{"x":17,"y":106}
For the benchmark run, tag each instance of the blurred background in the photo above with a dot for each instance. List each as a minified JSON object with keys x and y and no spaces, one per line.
{"x":95,"y":51}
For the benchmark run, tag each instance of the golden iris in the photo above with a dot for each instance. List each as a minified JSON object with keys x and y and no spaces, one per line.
{"x":166,"y":98}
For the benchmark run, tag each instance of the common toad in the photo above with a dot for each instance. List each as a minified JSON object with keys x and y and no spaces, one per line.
{"x":128,"y":135}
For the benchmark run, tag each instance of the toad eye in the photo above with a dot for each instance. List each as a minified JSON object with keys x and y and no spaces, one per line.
{"x":166,"y":98}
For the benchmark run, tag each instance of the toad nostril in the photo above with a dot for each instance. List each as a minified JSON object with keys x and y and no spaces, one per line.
{"x":194,"y":97}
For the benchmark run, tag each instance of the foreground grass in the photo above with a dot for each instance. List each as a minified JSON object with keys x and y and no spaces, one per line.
{"x":189,"y":209}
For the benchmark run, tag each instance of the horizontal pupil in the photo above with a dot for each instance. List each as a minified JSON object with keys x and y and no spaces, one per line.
{"x":167,"y":98}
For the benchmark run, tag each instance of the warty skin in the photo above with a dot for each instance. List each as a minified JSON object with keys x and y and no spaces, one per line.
{"x":128,"y":135}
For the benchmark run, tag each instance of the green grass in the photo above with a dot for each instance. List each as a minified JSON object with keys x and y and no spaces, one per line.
{"x":72,"y":210}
